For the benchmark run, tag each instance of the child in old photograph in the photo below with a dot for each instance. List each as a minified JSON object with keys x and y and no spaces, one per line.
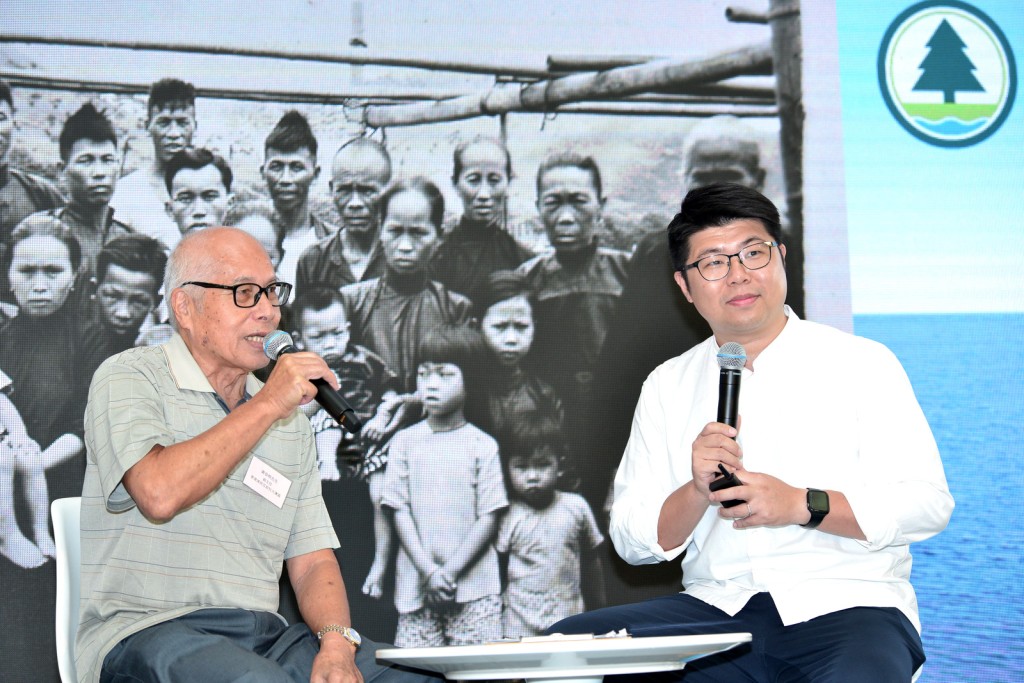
{"x":550,"y":537}
{"x":447,"y":585}
{"x":321,"y":326}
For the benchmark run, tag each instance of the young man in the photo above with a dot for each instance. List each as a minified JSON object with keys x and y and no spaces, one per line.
{"x":129,"y":274}
{"x":142,"y":194}
{"x":21,"y":193}
{"x":289,"y":170}
{"x":88,"y":152}
{"x":819,"y":576}
{"x":213,"y":476}
{"x":359,"y":174}
{"x":718,"y":149}
{"x":199,"y":186}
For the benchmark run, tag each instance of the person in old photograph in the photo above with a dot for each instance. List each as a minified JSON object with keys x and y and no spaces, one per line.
{"x":289,"y":169}
{"x":41,"y":341}
{"x":504,"y":309}
{"x":90,"y":159}
{"x":819,"y":576}
{"x":21,"y":193}
{"x":577,"y":286}
{"x":321,"y":326}
{"x":549,"y":537}
{"x":360,"y":173}
{"x":128,"y":281}
{"x":257,"y":217}
{"x":447,"y":584}
{"x":199,"y":190}
{"x":37,"y":346}
{"x":142,"y":194}
{"x":213,"y":477}
{"x":391,"y":314}
{"x":22,"y":477}
{"x":480,"y":243}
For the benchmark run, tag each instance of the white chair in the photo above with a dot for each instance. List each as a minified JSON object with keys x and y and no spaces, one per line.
{"x":66,"y":516}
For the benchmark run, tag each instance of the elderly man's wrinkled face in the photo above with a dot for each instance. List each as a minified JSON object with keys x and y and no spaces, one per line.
{"x":223,"y":336}
{"x":358,"y":178}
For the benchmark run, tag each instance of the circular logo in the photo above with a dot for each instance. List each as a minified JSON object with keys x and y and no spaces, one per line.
{"x":947,"y":73}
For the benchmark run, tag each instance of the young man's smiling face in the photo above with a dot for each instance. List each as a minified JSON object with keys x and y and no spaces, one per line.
{"x":745,"y":305}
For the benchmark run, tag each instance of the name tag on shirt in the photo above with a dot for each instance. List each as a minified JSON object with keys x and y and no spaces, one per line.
{"x":268,"y":482}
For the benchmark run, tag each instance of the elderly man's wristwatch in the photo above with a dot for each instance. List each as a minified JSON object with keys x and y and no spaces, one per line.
{"x":349,"y":634}
{"x":817,"y":505}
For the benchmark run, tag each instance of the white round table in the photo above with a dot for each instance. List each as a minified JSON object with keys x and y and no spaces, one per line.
{"x":563,"y":658}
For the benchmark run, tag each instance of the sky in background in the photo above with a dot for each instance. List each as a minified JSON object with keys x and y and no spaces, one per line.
{"x":931,"y":229}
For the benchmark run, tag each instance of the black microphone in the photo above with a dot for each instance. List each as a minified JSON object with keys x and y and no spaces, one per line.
{"x":731,"y":359}
{"x":278,"y":342}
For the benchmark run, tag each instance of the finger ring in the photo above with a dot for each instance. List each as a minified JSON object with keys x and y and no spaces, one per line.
{"x":749,"y":513}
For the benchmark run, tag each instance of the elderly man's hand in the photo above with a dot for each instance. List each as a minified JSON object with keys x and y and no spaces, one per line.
{"x":336,"y":662}
{"x":289,"y":385}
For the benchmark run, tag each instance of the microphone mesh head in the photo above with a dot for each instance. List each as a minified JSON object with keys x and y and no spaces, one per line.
{"x":274,"y":342}
{"x":731,"y":356}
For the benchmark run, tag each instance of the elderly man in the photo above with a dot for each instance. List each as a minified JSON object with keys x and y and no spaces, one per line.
{"x":360,"y":172}
{"x":201,"y":483}
{"x":819,"y":576}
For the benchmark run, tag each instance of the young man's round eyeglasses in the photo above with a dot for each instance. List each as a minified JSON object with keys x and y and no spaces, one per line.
{"x":716,"y":266}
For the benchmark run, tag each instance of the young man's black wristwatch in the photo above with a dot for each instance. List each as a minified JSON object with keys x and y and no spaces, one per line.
{"x":817,"y":505}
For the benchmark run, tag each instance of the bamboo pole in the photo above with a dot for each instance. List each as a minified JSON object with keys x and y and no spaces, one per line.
{"x":787,"y":48}
{"x":358,"y":56}
{"x":374,"y":95}
{"x":690,"y":111}
{"x":548,"y":95}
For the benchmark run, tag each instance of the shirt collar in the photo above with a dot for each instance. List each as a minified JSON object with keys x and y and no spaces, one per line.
{"x":187,"y":374}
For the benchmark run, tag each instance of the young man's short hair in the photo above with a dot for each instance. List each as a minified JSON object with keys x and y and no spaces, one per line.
{"x":716,"y":205}
{"x":291,"y":134}
{"x":572,"y":160}
{"x":88,"y":123}
{"x":196,"y":158}
{"x":137,"y":253}
{"x":170,"y":93}
{"x":5,"y":93}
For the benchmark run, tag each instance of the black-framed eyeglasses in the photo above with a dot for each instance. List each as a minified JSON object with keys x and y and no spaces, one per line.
{"x":716,"y":266}
{"x":248,"y":294}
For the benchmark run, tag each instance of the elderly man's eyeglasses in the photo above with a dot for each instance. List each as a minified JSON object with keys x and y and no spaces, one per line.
{"x":248,"y":294}
{"x":716,"y":266}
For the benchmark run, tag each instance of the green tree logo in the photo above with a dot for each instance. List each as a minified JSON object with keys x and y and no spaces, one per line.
{"x":947,"y":68}
{"x":947,"y":73}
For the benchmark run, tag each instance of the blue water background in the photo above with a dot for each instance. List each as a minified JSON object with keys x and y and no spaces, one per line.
{"x":950,"y":126}
{"x":968,"y":373}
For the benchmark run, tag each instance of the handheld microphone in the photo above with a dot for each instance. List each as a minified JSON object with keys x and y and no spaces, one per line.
{"x":278,"y":342}
{"x":731,"y":359}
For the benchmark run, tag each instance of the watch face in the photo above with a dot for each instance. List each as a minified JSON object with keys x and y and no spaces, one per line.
{"x":817,"y":501}
{"x":355,"y":637}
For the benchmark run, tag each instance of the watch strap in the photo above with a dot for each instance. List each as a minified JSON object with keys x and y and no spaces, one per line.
{"x":347,"y":633}
{"x":817,"y":514}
